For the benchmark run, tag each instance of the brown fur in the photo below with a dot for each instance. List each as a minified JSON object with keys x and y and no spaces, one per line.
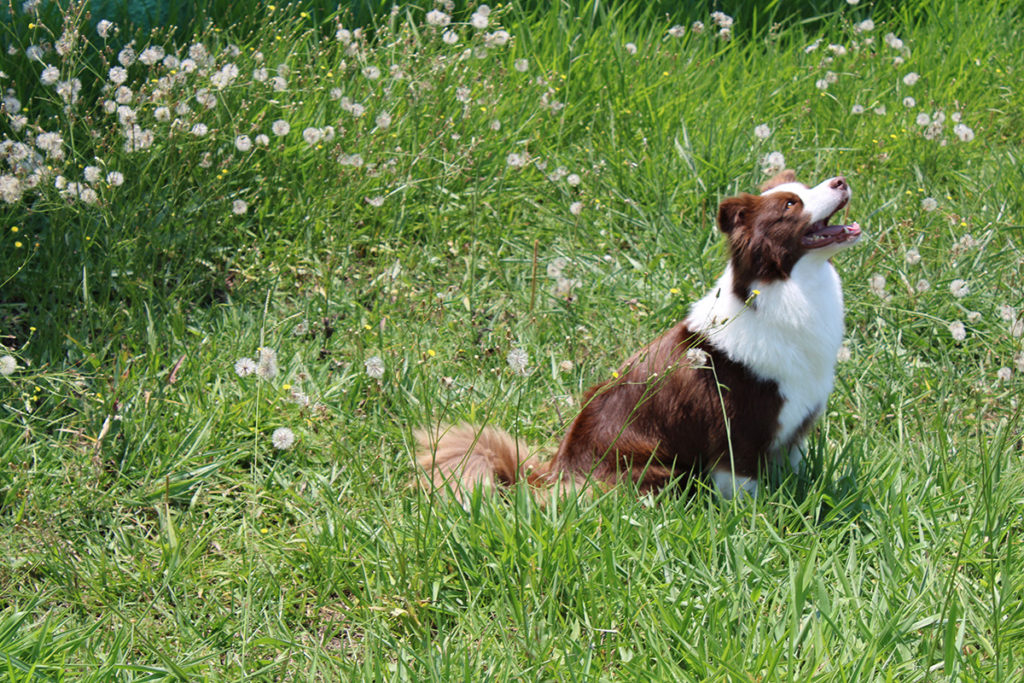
{"x":665,"y":415}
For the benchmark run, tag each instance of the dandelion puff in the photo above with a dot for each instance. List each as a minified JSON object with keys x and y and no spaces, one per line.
{"x":923,"y":119}
{"x":239,"y":207}
{"x":631,"y":48}
{"x":10,"y":189}
{"x":864,"y":26}
{"x":892,"y":41}
{"x":1017,"y":328}
{"x":262,"y":140}
{"x":115,"y":179}
{"x":555,"y":268}
{"x":518,"y":360}
{"x":821,"y":84}
{"x":880,"y":110}
{"x":576,"y":208}
{"x":522,"y":65}
{"x":126,"y":57}
{"x":495,"y":125}
{"x":8,"y":365}
{"x":200,"y":129}
{"x":245,"y":367}
{"x":478,"y":21}
{"x":438,"y":18}
{"x":877,"y":284}
{"x":50,"y":75}
{"x":450,"y":37}
{"x":929,"y":204}
{"x":375,"y":202}
{"x":374,"y":366}
{"x":959,"y":288}
{"x":843,"y":354}
{"x":1018,"y":360}
{"x":857,"y":109}
{"x":909,"y":102}
{"x":312,"y":136}
{"x":698,"y":358}
{"x":566,"y":366}
{"x":913,"y":257}
{"x":922,"y":286}
{"x":267,"y":365}
{"x":697,"y":27}
{"x":104,"y":28}
{"x":243,"y":143}
{"x":773,"y":162}
{"x":280,"y":127}
{"x":1004,"y":374}
{"x":282,"y":438}
{"x":762,"y":132}
{"x":1008,"y":313}
{"x":911,"y":78}
{"x":92,"y":174}
{"x":963,"y":132}
{"x":958,"y":331}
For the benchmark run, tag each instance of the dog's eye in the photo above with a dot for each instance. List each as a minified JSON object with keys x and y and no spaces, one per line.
{"x":790,"y":202}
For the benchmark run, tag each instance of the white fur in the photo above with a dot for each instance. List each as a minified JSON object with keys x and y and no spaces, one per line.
{"x":821,"y":201}
{"x":728,"y":484}
{"x":790,"y":337}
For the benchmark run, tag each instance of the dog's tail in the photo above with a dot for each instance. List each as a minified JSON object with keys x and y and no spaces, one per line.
{"x":462,"y":458}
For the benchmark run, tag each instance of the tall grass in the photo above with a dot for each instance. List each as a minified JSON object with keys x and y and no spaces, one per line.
{"x":554,"y":193}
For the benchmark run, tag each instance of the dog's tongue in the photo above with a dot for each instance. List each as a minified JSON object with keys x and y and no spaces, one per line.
{"x":822,"y":235}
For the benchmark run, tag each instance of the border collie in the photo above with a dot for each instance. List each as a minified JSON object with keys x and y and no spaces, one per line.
{"x":728,"y":391}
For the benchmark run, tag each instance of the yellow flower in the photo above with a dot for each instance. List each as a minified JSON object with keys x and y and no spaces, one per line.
{"x":674,"y":290}
{"x":431,"y":352}
{"x":755,"y":292}
{"x":14,"y":228}
{"x":17,"y":245}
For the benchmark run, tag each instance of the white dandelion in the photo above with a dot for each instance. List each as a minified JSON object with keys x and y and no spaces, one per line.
{"x":282,"y":438}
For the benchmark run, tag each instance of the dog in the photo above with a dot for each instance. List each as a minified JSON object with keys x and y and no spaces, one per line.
{"x":728,"y":391}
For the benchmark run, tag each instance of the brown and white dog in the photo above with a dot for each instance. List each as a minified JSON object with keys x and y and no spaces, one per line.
{"x":727,"y":391}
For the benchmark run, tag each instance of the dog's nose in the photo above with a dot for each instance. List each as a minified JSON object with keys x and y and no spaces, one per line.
{"x":838,"y":183}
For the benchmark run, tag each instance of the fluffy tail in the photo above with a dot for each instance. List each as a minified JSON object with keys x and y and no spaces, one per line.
{"x":462,"y":458}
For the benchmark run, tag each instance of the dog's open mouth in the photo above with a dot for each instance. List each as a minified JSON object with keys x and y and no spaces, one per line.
{"x":821,"y":234}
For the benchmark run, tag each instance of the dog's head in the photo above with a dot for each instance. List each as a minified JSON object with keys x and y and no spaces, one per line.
{"x":770,"y":232}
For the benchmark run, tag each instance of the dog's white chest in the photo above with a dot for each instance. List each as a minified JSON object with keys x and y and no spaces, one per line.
{"x":789,"y":333}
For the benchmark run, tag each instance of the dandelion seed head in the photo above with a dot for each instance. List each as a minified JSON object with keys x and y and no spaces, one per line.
{"x":959,"y":288}
{"x":245,"y":367}
{"x":958,"y":331}
{"x":518,"y":360}
{"x":282,"y":438}
{"x":912,"y":257}
{"x":762,"y":132}
{"x":374,"y":366}
{"x":929,"y":204}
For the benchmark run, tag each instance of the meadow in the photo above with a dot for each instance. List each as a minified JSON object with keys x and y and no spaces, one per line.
{"x":238,"y":268}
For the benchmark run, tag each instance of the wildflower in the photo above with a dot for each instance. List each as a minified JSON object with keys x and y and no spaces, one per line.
{"x":677,"y":31}
{"x":69,"y":90}
{"x":911,"y":78}
{"x":115,"y":179}
{"x":478,"y":21}
{"x":909,"y":102}
{"x":239,"y":207}
{"x":279,"y":83}
{"x":371,"y":73}
{"x":374,"y":367}
{"x":104,"y":27}
{"x":92,"y":173}
{"x":857,"y":109}
{"x":200,"y":129}
{"x":280,"y":127}
{"x":697,"y":27}
{"x":913,"y":257}
{"x":450,"y":37}
{"x":245,"y":367}
{"x":262,"y":140}
{"x":243,"y":143}
{"x":725,"y":34}
{"x":1004,"y":374}
{"x":631,"y":48}
{"x":957,"y":329}
{"x":223,"y":77}
{"x":959,"y":288}
{"x":929,"y":204}
{"x":762,"y":132}
{"x":267,"y":364}
{"x":8,"y":365}
{"x":923,"y":119}
{"x":52,"y":144}
{"x":282,"y":438}
{"x":162,"y":114}
{"x":438,"y":18}
{"x":963,"y":132}
{"x":518,"y":360}
{"x":864,"y":26}
{"x":565,"y":366}
{"x":877,"y":284}
{"x":812,"y":47}
{"x":383,"y":120}
{"x":576,"y":208}
{"x":521,"y":65}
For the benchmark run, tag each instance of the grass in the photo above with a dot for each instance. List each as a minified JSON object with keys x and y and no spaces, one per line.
{"x":148,"y":527}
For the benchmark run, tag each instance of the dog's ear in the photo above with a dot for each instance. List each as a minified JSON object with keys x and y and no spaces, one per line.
{"x":733,"y":211}
{"x":787,"y":176}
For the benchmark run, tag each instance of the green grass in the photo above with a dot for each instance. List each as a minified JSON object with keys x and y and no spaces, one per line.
{"x":149,"y":529}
